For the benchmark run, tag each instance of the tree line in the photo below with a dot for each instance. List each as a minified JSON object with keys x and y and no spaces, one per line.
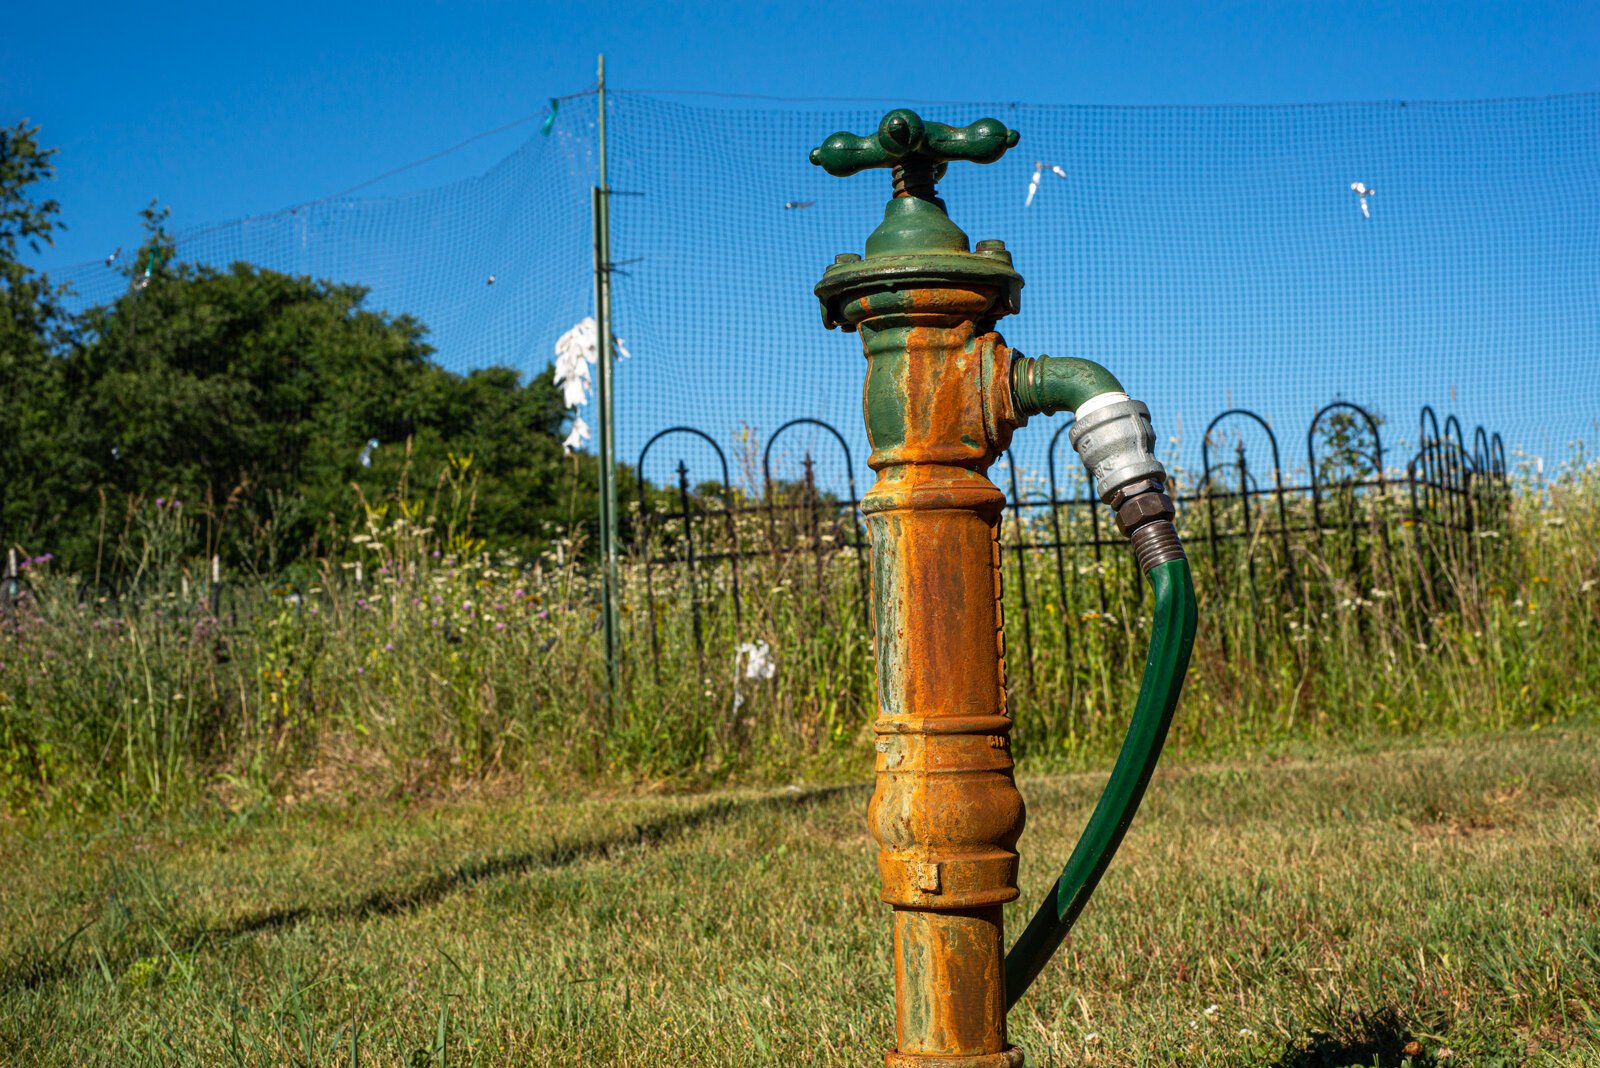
{"x":265,"y":399}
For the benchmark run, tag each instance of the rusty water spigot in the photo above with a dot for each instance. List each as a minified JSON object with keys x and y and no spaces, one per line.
{"x":943,"y":395}
{"x":946,"y":813}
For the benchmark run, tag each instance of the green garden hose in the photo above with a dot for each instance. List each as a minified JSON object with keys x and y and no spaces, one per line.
{"x":1171,"y":639}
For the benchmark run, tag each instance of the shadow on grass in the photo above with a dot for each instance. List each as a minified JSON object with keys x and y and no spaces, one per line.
{"x":1365,"y":1040}
{"x":31,"y":972}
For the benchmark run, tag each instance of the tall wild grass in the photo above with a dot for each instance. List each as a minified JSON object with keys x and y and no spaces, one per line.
{"x":414,"y":658}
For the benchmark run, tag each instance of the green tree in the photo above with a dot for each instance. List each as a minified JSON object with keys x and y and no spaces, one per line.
{"x":248,"y":390}
{"x":33,"y":326}
{"x":256,"y":393}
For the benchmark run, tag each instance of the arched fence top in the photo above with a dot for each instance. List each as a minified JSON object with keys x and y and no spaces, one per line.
{"x":1481,"y":460}
{"x":1457,"y":466}
{"x":1425,"y":419}
{"x":1237,"y":413}
{"x":844,"y":446}
{"x":1428,"y":431}
{"x":722,"y":457}
{"x":1375,"y":455}
{"x":1442,"y":456}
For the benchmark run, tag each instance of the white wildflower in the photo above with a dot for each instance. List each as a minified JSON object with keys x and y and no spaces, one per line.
{"x":758,"y":662}
{"x":1212,"y":1009}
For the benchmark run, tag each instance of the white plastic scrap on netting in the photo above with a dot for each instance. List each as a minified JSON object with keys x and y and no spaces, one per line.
{"x":575,"y":351}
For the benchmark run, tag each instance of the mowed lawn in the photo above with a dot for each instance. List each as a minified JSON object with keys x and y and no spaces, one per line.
{"x":1348,"y":908}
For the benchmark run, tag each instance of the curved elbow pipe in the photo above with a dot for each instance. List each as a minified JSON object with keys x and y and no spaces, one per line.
{"x":1044,"y":385}
{"x":1112,"y":433}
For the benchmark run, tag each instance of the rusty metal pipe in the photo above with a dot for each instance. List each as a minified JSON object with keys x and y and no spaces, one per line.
{"x":946,"y":812}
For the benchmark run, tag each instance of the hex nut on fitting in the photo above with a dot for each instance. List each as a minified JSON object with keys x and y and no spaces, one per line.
{"x":1142,"y":508}
{"x":1117,"y":443}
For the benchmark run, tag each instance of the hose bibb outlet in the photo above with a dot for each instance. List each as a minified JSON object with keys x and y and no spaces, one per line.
{"x":1116,"y":440}
{"x":1114,"y":437}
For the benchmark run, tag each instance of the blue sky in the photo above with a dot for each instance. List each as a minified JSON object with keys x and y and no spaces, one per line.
{"x":223,"y":110}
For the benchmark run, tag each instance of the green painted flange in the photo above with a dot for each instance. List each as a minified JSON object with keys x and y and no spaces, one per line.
{"x":987,"y":267}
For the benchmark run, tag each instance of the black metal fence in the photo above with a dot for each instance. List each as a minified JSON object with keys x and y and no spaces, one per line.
{"x":1243,"y":517}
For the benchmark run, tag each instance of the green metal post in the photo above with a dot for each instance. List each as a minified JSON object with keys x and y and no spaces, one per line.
{"x":608,"y":461}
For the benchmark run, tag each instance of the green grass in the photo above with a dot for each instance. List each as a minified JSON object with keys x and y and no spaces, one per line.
{"x":1333,"y":905}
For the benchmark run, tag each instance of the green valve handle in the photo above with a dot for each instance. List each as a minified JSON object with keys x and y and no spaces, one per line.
{"x":903,"y":137}
{"x":918,"y":151}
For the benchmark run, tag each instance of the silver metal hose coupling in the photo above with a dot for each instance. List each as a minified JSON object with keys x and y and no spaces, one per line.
{"x":1114,"y":437}
{"x":1116,"y":441}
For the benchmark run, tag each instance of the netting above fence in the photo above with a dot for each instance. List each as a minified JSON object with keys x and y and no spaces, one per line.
{"x":1213,"y":257}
